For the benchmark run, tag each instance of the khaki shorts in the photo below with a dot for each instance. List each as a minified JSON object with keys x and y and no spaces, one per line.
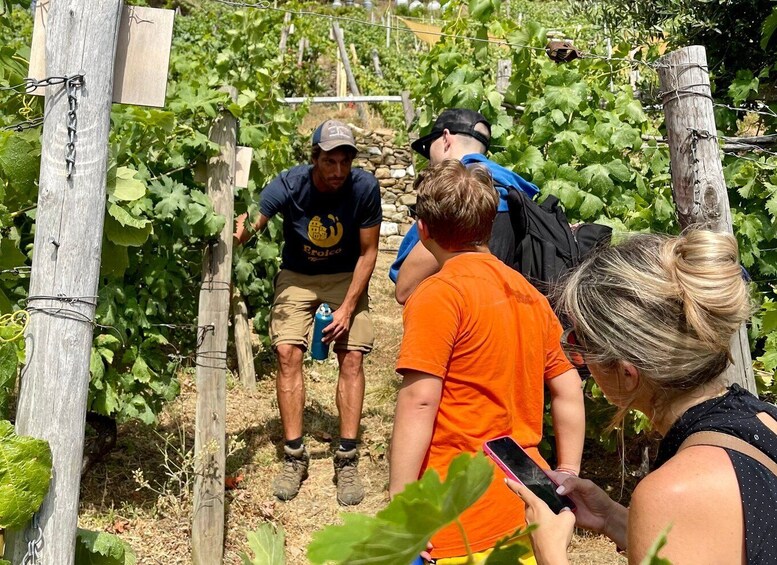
{"x":298,"y":296}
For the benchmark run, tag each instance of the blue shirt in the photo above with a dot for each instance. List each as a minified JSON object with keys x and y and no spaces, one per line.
{"x":504,"y":179}
{"x":321,"y":230}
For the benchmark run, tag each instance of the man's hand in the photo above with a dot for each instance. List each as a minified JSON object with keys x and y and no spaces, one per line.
{"x":241,"y":234}
{"x":341,"y":322}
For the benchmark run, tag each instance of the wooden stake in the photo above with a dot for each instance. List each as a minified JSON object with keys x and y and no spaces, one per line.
{"x":376,"y":63}
{"x":212,"y":327}
{"x":80,"y":39}
{"x":698,"y":187}
{"x":284,"y":35}
{"x":354,"y":57}
{"x":407,"y":107}
{"x":504,"y":69}
{"x":245,"y":353}
{"x":363,"y":113}
{"x":300,"y":51}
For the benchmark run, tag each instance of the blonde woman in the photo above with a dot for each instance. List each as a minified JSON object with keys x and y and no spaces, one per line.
{"x":652,"y":320}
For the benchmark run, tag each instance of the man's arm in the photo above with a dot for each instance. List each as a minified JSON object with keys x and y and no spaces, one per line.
{"x":414,"y":416}
{"x":568,"y":412}
{"x":241,"y":233}
{"x":417,"y":266}
{"x":341,"y":318}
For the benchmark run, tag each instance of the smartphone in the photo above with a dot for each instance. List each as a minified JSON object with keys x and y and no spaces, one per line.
{"x":517,"y":465}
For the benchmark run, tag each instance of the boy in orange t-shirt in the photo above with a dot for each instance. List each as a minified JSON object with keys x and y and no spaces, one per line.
{"x":480,"y":343}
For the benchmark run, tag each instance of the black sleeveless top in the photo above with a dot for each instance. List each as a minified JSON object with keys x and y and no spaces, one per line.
{"x":735,"y":413}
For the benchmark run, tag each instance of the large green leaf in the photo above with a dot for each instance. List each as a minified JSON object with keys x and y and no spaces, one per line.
{"x":124,"y":229}
{"x":266,"y":544}
{"x":25,"y":473}
{"x":102,"y":548}
{"x":9,"y":366}
{"x":19,"y":159}
{"x":399,"y":532}
{"x":124,"y":184}
{"x":10,"y":256}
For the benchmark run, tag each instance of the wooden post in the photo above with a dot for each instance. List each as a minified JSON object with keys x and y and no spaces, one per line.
{"x":407,"y":107}
{"x":81,"y":38}
{"x":245,"y":353}
{"x":212,"y":329}
{"x":363,"y":113}
{"x":504,"y":69}
{"x":284,"y":35}
{"x":300,"y":51}
{"x":354,"y":56}
{"x":698,"y":187}
{"x":376,"y":63}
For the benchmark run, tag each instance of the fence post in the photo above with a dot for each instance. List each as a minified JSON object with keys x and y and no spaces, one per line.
{"x":284,"y":36}
{"x":698,"y":187}
{"x":212,"y":330}
{"x":504,"y":69}
{"x":376,"y":63}
{"x":81,"y":38}
{"x":245,"y":353}
{"x":363,"y":113}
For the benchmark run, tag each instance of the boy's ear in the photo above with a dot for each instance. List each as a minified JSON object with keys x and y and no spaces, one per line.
{"x":423,"y":231}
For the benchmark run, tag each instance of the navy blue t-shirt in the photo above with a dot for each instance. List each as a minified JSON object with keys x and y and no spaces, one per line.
{"x":321,"y":231}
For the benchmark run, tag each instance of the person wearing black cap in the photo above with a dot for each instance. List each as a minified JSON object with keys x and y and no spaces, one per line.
{"x":331,"y":225}
{"x":458,"y":133}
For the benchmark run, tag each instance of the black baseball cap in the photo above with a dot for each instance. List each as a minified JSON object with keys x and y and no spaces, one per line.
{"x":455,"y":120}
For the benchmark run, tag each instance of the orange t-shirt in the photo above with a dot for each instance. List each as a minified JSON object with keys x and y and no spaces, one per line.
{"x":494,"y":339}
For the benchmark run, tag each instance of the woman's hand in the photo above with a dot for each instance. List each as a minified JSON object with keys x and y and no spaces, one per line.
{"x":595,"y":511}
{"x":554,"y":531}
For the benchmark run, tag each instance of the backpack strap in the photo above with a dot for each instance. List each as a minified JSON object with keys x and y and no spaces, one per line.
{"x":727,"y":441}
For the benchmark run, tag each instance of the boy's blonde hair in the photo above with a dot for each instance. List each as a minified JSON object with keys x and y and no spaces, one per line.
{"x":457,"y":204}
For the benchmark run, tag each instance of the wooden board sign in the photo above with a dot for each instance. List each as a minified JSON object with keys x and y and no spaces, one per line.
{"x":142,"y":54}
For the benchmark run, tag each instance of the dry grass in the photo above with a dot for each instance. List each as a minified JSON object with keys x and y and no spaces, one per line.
{"x":156,"y":524}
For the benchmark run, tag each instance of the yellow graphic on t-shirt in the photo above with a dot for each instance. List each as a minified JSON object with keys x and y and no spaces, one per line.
{"x":326,"y":232}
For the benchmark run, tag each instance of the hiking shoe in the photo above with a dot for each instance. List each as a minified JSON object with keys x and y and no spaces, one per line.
{"x":349,"y":485}
{"x":295,"y":470}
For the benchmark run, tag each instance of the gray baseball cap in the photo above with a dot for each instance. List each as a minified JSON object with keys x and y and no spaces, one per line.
{"x":332,"y":134}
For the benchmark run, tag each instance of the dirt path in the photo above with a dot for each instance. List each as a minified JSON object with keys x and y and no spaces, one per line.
{"x":156,"y":522}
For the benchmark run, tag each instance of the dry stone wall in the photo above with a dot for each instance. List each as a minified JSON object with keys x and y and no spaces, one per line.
{"x":392,"y":165}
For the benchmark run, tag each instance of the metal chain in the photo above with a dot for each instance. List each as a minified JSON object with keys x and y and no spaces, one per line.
{"x":695,"y":136}
{"x":21,"y":126}
{"x":34,"y":537}
{"x":72,"y":84}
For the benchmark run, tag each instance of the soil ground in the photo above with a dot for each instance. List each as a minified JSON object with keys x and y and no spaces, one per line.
{"x":155,"y":519}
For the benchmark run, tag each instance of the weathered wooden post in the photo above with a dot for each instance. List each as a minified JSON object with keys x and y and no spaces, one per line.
{"x":212,"y":331}
{"x":504,"y":69}
{"x":376,"y":63}
{"x":363,"y":113}
{"x":407,"y":108}
{"x":80,"y":39}
{"x":284,"y":35}
{"x":245,"y":354}
{"x":698,"y":187}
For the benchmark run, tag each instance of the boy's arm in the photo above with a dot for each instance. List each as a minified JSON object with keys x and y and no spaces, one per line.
{"x":417,"y":266}
{"x":568,"y":412}
{"x":417,"y":404}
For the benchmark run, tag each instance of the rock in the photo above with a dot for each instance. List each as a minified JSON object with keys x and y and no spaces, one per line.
{"x":398,"y":173}
{"x":388,"y":228}
{"x":389,"y":197}
{"x":387,"y":182}
{"x":404,"y":228}
{"x":383,"y":132}
{"x":374,"y":151}
{"x":382,"y":173}
{"x":393,"y":241}
{"x":410,"y":170}
{"x":389,"y":208}
{"x":407,"y":199}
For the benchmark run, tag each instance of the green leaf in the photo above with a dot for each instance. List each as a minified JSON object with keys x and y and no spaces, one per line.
{"x":768,"y":27}
{"x":10,"y":256}
{"x":19,"y":160}
{"x":399,"y":532}
{"x":25,"y":474}
{"x":266,"y":543}
{"x":124,"y":185}
{"x":173,"y":198}
{"x":769,"y":321}
{"x":102,"y":548}
{"x":591,"y":206}
{"x":597,"y":177}
{"x":652,"y":557}
{"x":124,"y":229}
{"x":9,"y":367}
{"x":531,"y":160}
{"x":741,"y":87}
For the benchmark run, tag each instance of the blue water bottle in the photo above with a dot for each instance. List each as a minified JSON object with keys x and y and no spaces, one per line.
{"x":318,"y":349}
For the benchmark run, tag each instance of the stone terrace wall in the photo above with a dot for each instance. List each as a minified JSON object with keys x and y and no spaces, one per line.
{"x":392,"y":165}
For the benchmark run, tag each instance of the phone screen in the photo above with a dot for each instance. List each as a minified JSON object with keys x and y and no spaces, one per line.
{"x":514,"y":460}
